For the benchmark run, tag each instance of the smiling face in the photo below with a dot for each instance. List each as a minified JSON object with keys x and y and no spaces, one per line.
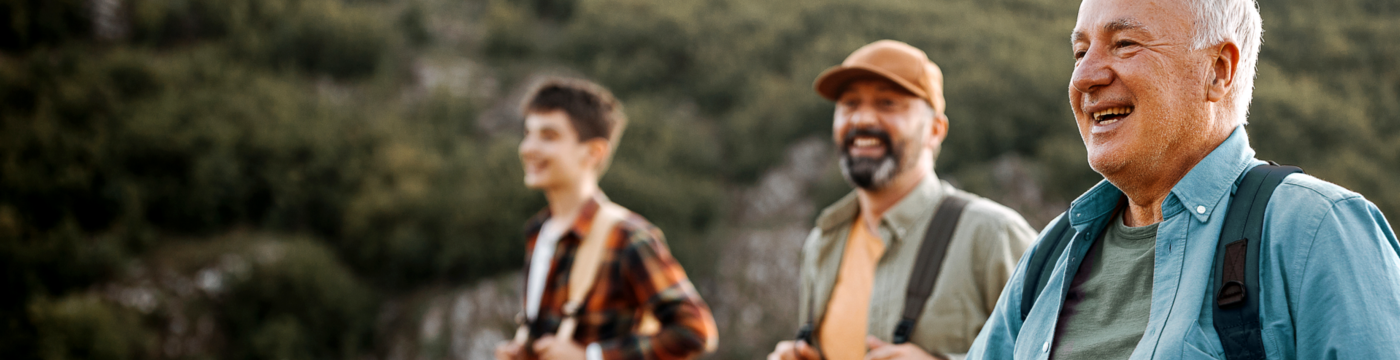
{"x":1139,"y":92}
{"x":881,"y":130}
{"x":553,"y":156}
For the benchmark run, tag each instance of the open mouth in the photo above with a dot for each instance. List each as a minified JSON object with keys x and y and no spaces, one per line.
{"x":867,"y":146}
{"x":1111,"y":115}
{"x":867,"y":142}
{"x":536,"y":166}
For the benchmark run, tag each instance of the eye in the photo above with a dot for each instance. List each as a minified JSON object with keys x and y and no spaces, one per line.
{"x":1124,"y":43}
{"x":886,"y":103}
{"x":1079,"y":54}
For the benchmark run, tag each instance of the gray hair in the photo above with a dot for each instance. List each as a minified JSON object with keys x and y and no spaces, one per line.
{"x":1238,"y":21}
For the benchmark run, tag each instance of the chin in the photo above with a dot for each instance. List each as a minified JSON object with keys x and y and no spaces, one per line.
{"x":534,"y":183}
{"x":1106,"y":161}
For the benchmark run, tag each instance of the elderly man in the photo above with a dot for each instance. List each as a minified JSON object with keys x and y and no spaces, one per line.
{"x":900,"y":224}
{"x":1174,"y":256}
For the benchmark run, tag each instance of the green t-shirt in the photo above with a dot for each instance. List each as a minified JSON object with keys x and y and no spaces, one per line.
{"x":1105,"y":312}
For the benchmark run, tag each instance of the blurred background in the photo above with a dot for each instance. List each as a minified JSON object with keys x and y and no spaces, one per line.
{"x":337,"y":179}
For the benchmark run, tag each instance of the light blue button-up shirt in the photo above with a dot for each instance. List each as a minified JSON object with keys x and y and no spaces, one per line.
{"x":1329,"y":271}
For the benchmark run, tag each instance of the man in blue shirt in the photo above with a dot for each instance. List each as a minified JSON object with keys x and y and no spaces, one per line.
{"x":1160,"y":91}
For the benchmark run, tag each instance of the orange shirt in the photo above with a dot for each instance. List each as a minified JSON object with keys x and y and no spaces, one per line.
{"x":843,"y":328}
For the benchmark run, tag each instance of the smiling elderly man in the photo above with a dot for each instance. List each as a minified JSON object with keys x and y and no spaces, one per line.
{"x":906,"y":266}
{"x":1192,"y":248}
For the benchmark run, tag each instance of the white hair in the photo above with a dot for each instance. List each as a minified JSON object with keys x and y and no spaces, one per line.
{"x":1237,"y":21}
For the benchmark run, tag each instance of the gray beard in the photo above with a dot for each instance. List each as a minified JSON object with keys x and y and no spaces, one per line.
{"x":867,"y":173}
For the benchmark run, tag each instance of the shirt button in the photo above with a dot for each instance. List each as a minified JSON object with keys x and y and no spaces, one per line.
{"x":1200,"y":209}
{"x":1046,"y":347}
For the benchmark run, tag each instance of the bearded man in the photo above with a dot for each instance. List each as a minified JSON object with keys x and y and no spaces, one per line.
{"x":858,"y":262}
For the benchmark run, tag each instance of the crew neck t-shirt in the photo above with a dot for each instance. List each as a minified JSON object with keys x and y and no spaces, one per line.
{"x":843,"y":329}
{"x":1105,"y":312}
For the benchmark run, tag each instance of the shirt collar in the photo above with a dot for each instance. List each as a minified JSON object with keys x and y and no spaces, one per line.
{"x":901,"y":219}
{"x":1199,"y":192}
{"x":906,"y":215}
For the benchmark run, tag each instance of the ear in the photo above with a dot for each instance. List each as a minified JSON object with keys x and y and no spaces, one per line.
{"x":598,"y":150}
{"x":1226,"y":62}
{"x":938,"y":130}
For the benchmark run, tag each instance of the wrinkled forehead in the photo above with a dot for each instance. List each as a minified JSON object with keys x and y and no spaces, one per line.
{"x":1110,"y":16}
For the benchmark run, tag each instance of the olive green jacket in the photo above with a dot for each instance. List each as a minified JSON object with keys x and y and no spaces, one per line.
{"x":982,"y":254}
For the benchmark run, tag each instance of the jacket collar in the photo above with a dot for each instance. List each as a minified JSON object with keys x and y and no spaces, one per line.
{"x":901,"y":219}
{"x":1198,"y":193}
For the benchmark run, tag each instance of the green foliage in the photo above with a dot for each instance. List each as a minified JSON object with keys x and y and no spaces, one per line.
{"x":34,"y":23}
{"x":316,"y":36}
{"x":296,"y":302}
{"x":85,"y":327}
{"x":413,"y":24}
{"x":1328,"y":95}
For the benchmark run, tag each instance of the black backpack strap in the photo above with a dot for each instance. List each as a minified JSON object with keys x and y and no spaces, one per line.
{"x":808,"y":329}
{"x":1042,"y":263}
{"x":1236,"y":284}
{"x":928,"y":263}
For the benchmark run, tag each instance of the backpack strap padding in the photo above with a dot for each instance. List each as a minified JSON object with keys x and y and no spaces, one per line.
{"x":929,"y":262}
{"x":587,"y":261}
{"x":1236,"y":271}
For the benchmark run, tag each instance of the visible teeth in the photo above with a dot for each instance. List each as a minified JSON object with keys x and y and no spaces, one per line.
{"x":863,"y":142}
{"x":1112,"y":111}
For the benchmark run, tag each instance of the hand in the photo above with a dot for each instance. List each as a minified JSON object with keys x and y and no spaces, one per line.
{"x":880,"y":350}
{"x":794,"y":350}
{"x":509,"y":351}
{"x":551,"y":348}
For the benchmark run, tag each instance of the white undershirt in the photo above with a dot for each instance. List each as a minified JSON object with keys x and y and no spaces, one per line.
{"x":540,"y":262}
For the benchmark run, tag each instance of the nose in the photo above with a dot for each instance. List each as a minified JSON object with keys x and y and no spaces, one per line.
{"x":863,"y":116}
{"x":526,"y":147}
{"x":1092,"y":71}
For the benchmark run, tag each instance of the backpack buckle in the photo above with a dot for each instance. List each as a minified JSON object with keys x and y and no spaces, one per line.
{"x":1231,"y":294}
{"x":901,"y":332}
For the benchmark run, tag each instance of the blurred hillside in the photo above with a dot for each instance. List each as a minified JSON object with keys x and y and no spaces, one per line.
{"x":248,"y":179}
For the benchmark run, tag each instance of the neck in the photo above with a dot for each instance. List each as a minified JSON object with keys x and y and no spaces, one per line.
{"x":874,"y":203}
{"x":566,"y":201}
{"x":1147,"y":185}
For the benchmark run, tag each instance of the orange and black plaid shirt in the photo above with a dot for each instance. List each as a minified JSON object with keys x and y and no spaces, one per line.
{"x":638,"y":274}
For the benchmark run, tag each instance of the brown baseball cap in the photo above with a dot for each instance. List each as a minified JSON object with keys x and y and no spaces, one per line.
{"x":894,"y":60}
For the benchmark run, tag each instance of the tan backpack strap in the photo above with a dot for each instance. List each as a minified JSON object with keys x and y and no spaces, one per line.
{"x":587,"y":261}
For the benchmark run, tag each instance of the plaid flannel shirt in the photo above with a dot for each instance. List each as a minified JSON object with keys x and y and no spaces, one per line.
{"x":638,"y":274}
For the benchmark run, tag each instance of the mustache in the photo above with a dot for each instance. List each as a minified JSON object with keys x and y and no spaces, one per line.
{"x":849,"y":138}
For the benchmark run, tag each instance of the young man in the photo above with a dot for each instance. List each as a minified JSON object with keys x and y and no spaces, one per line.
{"x":858,"y":262}
{"x":1160,"y":92}
{"x":638,"y":303}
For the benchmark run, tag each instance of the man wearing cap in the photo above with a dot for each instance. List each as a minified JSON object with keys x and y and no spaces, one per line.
{"x":888,"y":126}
